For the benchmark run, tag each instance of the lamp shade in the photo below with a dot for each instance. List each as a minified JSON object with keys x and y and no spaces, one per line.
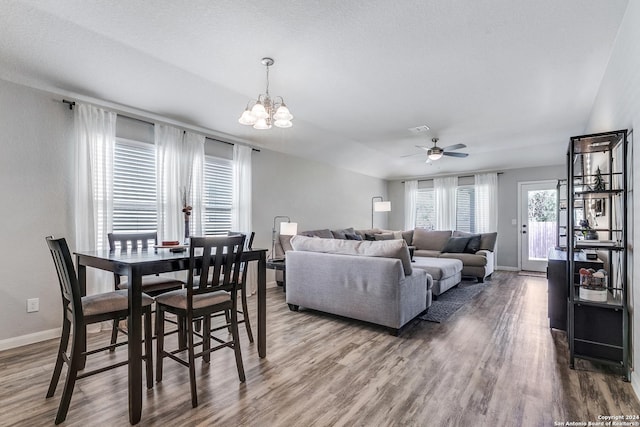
{"x":435,"y":156}
{"x":382,"y":206}
{"x":289,"y":228}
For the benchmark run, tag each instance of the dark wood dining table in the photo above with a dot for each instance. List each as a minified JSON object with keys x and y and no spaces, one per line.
{"x":134,"y":265}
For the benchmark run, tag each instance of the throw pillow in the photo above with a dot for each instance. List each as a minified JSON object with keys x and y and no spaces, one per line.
{"x":455,"y":245}
{"x":352,"y":236}
{"x":430,"y":240}
{"x":473,"y":245}
{"x":341,"y":234}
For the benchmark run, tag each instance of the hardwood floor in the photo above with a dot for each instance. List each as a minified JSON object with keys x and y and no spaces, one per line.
{"x":494,"y":363}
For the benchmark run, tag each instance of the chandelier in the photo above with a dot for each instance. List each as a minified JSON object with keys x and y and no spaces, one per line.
{"x":261,"y":113}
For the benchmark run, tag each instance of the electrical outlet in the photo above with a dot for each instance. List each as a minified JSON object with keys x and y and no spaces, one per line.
{"x":33,"y":305}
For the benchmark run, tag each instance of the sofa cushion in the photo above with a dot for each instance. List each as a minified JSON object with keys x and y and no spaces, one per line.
{"x":285,"y":243}
{"x":408,"y":236}
{"x":384,"y":236}
{"x":386,"y":249}
{"x":426,"y":253}
{"x":430,"y":240}
{"x":341,"y":234}
{"x":469,"y":260}
{"x":488,"y":241}
{"x":324,"y":233}
{"x":439,"y":268}
{"x":352,"y":236}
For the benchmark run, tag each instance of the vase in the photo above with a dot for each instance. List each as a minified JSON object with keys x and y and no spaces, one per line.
{"x":186,"y":231}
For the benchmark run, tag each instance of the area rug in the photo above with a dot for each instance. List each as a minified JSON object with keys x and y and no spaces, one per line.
{"x":453,"y":300}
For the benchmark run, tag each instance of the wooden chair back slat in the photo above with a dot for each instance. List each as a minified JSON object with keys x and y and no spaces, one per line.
{"x":131,"y":241}
{"x":69,"y":286}
{"x":221,"y":260}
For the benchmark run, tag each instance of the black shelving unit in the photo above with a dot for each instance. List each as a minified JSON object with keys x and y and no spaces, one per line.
{"x":597,"y":226}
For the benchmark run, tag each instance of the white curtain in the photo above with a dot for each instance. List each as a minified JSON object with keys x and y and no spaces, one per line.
{"x":410,"y":198}
{"x":445,"y":202}
{"x":179,"y":172}
{"x":486,"y":215}
{"x":95,"y":135}
{"x":242,"y":209}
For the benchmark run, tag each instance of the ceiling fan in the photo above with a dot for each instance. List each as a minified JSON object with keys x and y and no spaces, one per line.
{"x":435,"y":152}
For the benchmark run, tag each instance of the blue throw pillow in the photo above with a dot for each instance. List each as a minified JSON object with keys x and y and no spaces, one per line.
{"x":474,"y":244}
{"x":456,"y":245}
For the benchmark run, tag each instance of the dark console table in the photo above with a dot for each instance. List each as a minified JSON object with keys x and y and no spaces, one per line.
{"x":558,"y":288}
{"x":279,"y":264}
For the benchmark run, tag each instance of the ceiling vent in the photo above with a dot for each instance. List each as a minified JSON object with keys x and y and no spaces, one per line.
{"x":419,"y":129}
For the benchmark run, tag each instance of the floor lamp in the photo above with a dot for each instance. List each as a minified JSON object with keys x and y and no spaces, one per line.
{"x":380,"y":206}
{"x":287,"y":228}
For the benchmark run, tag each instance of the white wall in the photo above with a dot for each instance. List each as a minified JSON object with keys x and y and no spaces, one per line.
{"x":507,"y":243}
{"x":312,"y":194}
{"x":35,"y":166}
{"x":617,"y":106}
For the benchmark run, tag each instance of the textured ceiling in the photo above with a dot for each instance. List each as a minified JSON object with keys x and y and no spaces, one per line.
{"x":513,"y":80}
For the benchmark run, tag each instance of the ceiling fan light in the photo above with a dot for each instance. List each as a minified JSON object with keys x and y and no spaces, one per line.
{"x":283,"y":123}
{"x":259,"y":111}
{"x":261,"y":124}
{"x":282,"y":113}
{"x":247,"y":118}
{"x":434,"y":155}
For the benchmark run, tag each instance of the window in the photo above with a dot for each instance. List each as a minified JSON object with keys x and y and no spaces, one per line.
{"x":466,"y":208}
{"x":218,"y":195}
{"x":425,"y":209}
{"x":134,"y":187}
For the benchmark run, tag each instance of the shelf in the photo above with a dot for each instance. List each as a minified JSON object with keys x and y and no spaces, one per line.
{"x":597,"y":330}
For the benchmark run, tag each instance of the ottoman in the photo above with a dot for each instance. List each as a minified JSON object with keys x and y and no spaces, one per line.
{"x":446,"y":272}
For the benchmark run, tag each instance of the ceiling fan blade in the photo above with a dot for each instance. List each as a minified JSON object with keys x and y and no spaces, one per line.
{"x":454,"y":147}
{"x":446,"y":153}
{"x":411,"y":155}
{"x":423,"y":147}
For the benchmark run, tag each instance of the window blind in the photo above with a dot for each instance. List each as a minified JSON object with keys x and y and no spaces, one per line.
{"x":425,"y":209}
{"x":218,"y":195}
{"x":134,"y":187}
{"x":466,"y":208}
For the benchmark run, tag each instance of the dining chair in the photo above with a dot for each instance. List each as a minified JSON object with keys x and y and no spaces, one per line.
{"x":79,"y":311}
{"x":244,"y":269}
{"x":218,"y":259}
{"x":152,"y":285}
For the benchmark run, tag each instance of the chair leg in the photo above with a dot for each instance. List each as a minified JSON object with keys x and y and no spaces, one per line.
{"x":77,"y":357}
{"x":82,"y":343}
{"x":148,"y":350}
{"x":245,"y":314}
{"x":236,"y":344}
{"x":64,"y":343}
{"x":206,"y":338}
{"x":159,"y":341}
{"x":192,"y":363}
{"x":114,"y":333}
{"x":182,"y":336}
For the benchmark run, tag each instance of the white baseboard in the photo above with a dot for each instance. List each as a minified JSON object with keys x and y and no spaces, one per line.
{"x":507,"y":268}
{"x":635,"y":385}
{"x":14,"y":342}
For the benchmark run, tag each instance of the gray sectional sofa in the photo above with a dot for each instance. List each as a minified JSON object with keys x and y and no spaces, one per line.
{"x":372,"y":281}
{"x":476,"y":251}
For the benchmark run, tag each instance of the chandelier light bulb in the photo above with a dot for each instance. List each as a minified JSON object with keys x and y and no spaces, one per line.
{"x":247,"y":118}
{"x":283,"y":123}
{"x":282,"y":113}
{"x":262,"y":124}
{"x":259,"y":111}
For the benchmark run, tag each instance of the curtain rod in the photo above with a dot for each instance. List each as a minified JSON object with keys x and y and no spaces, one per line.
{"x":146,"y":120}
{"x":458,"y":176}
